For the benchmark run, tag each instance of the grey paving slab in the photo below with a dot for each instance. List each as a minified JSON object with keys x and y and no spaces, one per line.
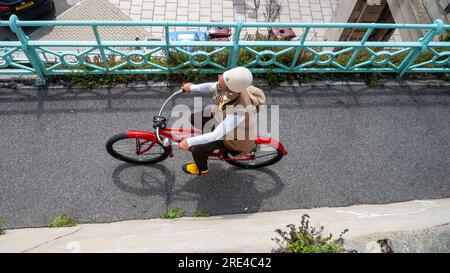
{"x":89,"y":10}
{"x":226,"y":11}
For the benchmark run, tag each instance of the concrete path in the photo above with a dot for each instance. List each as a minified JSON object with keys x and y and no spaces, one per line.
{"x":249,"y":232}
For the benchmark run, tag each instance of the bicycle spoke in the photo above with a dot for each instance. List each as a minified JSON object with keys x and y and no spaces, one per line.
{"x":138,"y":149}
{"x":259,"y":156}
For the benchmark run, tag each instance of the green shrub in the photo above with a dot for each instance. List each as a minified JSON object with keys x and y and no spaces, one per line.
{"x":199,"y":213}
{"x":446,"y":37}
{"x":444,"y":77}
{"x":62,"y":220}
{"x":307,"y":239}
{"x":385,"y":246}
{"x":2,"y":227}
{"x":172,"y":213}
{"x":372,"y":79}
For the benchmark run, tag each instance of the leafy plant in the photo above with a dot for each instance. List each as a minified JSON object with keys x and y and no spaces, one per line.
{"x":307,"y":239}
{"x":62,"y":220}
{"x":199,"y":213}
{"x":444,"y":77}
{"x":172,"y":213}
{"x":256,"y":4}
{"x":2,"y":228}
{"x":273,"y":9}
{"x":385,"y":246}
{"x":372,"y":79}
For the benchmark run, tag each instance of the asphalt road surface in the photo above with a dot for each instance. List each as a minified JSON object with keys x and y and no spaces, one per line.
{"x":347,"y":145}
{"x":60,"y":7}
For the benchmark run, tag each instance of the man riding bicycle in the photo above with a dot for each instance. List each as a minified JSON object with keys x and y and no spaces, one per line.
{"x":236,"y":129}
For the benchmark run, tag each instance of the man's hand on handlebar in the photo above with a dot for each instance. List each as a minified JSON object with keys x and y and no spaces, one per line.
{"x":186,"y":87}
{"x":183,"y":145}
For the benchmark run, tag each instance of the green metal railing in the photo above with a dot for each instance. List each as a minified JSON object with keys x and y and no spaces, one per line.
{"x":27,"y":56}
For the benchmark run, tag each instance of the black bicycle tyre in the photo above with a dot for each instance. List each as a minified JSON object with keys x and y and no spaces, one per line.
{"x":115,"y":154}
{"x":226,"y":155}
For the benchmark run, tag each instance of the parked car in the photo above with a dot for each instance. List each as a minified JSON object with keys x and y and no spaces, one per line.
{"x":26,"y":9}
{"x":188,"y":36}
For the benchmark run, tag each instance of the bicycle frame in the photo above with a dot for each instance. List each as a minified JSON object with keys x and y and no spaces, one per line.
{"x":168,"y":133}
{"x":170,"y":139}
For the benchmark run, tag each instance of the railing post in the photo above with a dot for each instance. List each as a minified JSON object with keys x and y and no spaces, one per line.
{"x":166,"y":30}
{"x":425,"y":40}
{"x":299,"y":49}
{"x":233,"y":58}
{"x":29,"y":52}
{"x":100,"y":47}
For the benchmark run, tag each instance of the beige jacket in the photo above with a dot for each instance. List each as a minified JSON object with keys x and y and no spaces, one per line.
{"x":242,"y":138}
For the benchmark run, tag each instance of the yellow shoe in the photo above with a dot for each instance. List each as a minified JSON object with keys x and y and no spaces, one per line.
{"x":191,"y":168}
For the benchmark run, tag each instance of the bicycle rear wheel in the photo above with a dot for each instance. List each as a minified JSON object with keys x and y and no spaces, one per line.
{"x":262,"y":155}
{"x":136,"y":150}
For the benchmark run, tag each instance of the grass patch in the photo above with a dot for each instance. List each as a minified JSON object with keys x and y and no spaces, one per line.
{"x":444,"y":77}
{"x":307,"y":239}
{"x":62,"y":220}
{"x":372,"y":79}
{"x":199,"y":213}
{"x":2,"y":226}
{"x":172,"y":213}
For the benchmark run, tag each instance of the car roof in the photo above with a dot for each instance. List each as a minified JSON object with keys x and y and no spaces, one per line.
{"x":9,"y":1}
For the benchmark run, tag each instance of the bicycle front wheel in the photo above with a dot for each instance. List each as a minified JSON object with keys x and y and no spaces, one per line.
{"x":136,"y":150}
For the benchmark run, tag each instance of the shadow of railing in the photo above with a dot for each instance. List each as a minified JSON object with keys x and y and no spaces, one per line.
{"x":36,"y":102}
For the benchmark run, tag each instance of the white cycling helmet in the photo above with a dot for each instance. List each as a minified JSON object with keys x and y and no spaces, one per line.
{"x":238,"y":79}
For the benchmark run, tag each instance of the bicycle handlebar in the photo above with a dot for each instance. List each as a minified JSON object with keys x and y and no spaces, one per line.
{"x":168,"y":99}
{"x":166,"y":141}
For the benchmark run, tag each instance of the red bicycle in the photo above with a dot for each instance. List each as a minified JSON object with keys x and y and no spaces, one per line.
{"x":142,"y":147}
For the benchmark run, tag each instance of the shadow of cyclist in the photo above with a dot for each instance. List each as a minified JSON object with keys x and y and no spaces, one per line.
{"x":233,"y":190}
{"x":145,"y":180}
{"x":223,"y":191}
